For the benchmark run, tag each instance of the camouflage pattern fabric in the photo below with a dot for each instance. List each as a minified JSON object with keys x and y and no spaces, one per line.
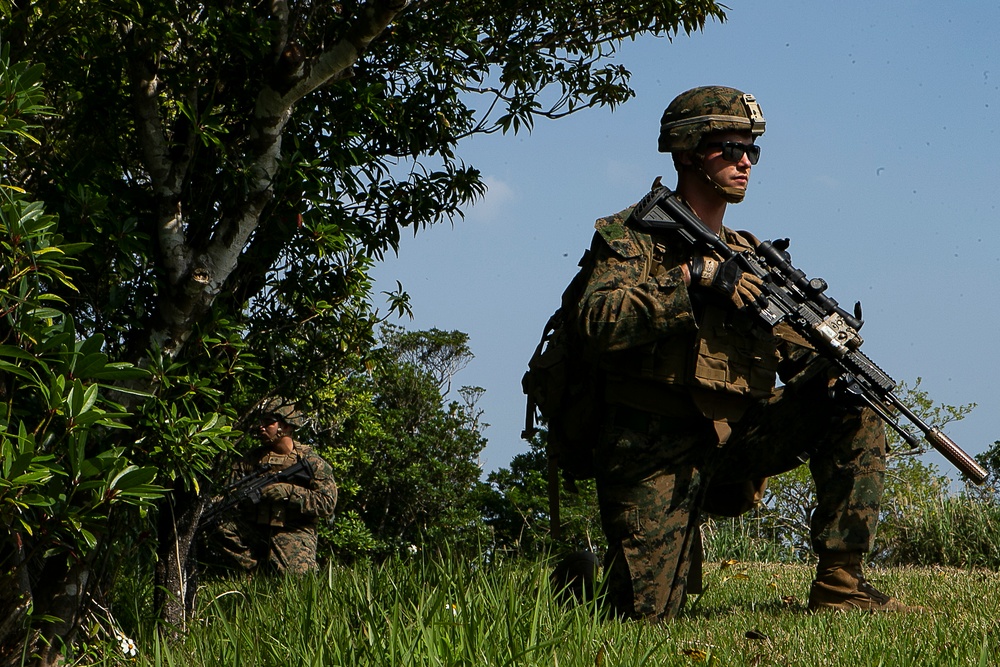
{"x":250,"y":546}
{"x":649,"y":524}
{"x":660,"y":454}
{"x":627,"y":303}
{"x":650,"y":520}
{"x":699,"y":111}
{"x":279,"y":535}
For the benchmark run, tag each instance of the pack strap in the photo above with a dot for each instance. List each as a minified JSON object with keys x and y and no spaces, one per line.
{"x":530,"y":407}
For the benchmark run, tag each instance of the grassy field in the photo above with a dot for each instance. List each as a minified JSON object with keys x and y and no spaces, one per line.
{"x":454,"y":612}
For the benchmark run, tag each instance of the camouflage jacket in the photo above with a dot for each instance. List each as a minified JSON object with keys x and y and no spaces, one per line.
{"x":658,"y":344}
{"x":305,"y":504}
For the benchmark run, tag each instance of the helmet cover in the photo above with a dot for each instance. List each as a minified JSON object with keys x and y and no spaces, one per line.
{"x":284,"y":409}
{"x":706,"y":109}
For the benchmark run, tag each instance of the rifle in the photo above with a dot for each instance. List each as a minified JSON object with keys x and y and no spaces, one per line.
{"x":788,"y":295}
{"x":249,"y":487}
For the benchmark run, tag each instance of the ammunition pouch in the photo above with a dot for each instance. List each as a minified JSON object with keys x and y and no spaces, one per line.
{"x":272,"y":513}
{"x":723,"y":357}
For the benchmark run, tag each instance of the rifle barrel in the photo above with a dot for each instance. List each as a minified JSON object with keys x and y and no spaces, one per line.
{"x":943,"y":444}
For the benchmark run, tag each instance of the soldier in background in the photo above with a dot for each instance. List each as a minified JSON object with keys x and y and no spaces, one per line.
{"x":694,"y":422}
{"x":279,"y":531}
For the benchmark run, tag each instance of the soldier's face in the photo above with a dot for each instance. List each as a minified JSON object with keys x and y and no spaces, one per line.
{"x":267,"y":429}
{"x":723,"y":171}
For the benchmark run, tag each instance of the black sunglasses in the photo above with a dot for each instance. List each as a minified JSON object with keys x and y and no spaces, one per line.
{"x":733,"y":151}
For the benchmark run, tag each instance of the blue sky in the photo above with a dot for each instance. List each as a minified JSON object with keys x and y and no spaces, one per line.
{"x":880,"y":162}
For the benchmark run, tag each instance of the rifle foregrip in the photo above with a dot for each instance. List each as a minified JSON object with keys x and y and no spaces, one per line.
{"x":956,"y":456}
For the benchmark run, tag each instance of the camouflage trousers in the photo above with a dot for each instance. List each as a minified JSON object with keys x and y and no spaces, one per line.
{"x":250,"y":546}
{"x":658,"y":473}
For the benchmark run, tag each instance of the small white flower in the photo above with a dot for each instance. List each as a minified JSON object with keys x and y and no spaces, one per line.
{"x":453,"y":608}
{"x":127,"y":645}
{"x":412,"y":548}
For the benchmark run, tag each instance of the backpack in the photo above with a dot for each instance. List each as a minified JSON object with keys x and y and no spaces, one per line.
{"x":564,"y":387}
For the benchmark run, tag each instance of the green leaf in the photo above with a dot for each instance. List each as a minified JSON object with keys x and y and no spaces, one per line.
{"x":13,"y":352}
{"x":35,"y":477}
{"x":88,"y":538}
{"x":131,"y":477}
{"x":15,"y":370}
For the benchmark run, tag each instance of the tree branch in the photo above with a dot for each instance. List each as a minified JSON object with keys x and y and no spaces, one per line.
{"x":205,"y":274}
{"x":167,"y":175}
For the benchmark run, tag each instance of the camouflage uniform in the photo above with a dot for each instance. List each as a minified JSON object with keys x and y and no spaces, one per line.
{"x":694,"y":418}
{"x":280,"y":534}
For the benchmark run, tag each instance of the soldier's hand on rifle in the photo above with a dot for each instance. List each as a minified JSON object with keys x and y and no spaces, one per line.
{"x":277,"y":491}
{"x":725,"y":278}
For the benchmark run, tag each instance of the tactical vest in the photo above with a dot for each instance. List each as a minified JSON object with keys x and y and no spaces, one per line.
{"x":276,"y":513}
{"x":728,"y":354}
{"x":726,"y":360}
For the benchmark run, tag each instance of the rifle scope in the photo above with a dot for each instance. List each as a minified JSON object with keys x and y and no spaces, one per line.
{"x":776,"y":255}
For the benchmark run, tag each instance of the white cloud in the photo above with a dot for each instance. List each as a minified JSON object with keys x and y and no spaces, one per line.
{"x":494,"y":204}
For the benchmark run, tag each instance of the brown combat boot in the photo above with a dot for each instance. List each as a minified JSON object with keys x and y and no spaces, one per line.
{"x":840,"y":586}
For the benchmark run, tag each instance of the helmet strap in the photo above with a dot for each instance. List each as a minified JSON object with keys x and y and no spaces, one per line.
{"x":731,"y":195}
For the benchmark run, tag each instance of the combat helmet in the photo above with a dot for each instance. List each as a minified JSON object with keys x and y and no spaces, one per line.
{"x":700,"y":111}
{"x":706,"y":109}
{"x":284,"y":409}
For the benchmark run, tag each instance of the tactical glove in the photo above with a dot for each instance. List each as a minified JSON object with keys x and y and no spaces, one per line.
{"x":277,"y":491}
{"x":726,"y":278}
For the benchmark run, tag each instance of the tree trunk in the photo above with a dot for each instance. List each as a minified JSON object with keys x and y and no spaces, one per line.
{"x":176,"y":571}
{"x":61,"y":593}
{"x":15,"y":599}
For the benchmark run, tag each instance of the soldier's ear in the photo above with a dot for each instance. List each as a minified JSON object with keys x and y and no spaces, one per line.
{"x":688,"y":158}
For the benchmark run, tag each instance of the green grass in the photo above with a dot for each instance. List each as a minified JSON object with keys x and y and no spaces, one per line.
{"x":455,"y":612}
{"x":948,"y":530}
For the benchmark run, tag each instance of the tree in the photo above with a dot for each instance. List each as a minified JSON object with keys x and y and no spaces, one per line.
{"x":990,"y":459}
{"x":235,"y":169}
{"x":516,"y":507}
{"x":410,"y":453}
{"x":58,"y":492}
